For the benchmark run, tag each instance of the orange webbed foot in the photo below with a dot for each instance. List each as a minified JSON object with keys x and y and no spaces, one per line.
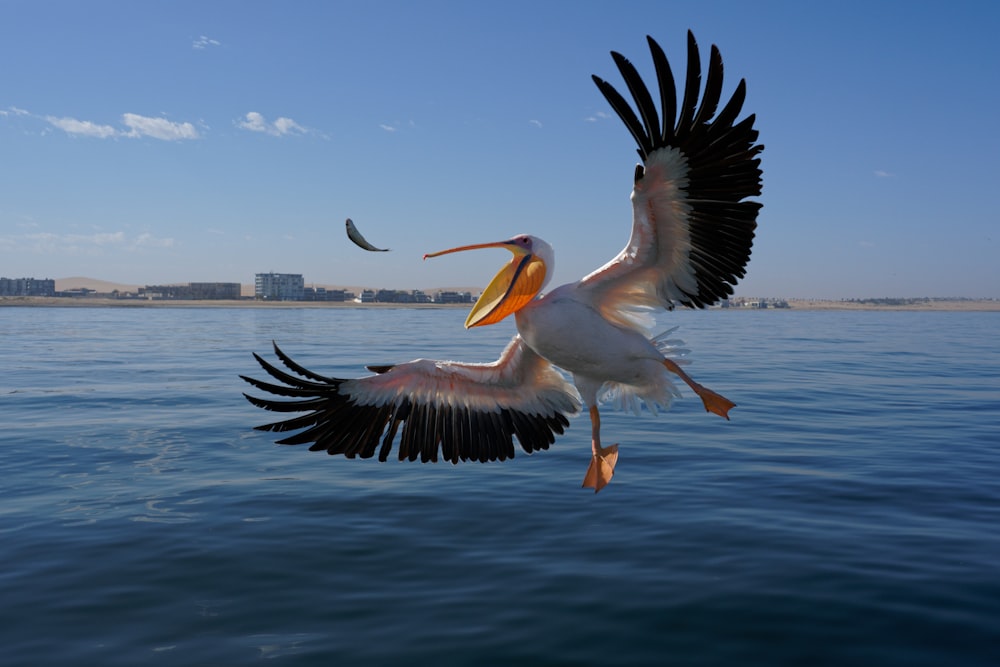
{"x":602,"y":468}
{"x":715,"y":403}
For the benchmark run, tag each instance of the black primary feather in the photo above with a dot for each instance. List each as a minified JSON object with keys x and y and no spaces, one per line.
{"x":723,"y":167}
{"x":337,"y":423}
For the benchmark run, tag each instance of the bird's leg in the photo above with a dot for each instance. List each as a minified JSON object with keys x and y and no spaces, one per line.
{"x":716,"y":403}
{"x":603,"y":459}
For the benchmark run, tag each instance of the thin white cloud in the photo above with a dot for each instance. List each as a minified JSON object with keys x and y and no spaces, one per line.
{"x":157,"y":128}
{"x":147,"y":240}
{"x":536,"y":123}
{"x":203,"y":42}
{"x":82,"y":128}
{"x":137,"y":126}
{"x":13,"y":111}
{"x":287,"y":126}
{"x":600,"y":115}
{"x":397,"y":125}
{"x":98,"y":243}
{"x":881,"y":173}
{"x":255,"y":122}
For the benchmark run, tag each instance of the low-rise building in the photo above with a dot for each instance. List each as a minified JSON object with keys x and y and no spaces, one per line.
{"x":453,"y":297}
{"x":401,"y":296}
{"x":324,"y":294}
{"x":192,"y":291}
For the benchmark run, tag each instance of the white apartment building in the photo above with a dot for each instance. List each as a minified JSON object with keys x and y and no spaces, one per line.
{"x":279,"y":286}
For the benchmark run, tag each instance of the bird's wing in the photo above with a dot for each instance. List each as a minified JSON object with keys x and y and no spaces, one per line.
{"x":359,"y":240}
{"x":692,"y":229}
{"x":464,"y":411}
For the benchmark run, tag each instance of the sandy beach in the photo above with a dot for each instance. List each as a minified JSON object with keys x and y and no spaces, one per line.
{"x":945,"y":305}
{"x":960,"y":305}
{"x":98,"y":302}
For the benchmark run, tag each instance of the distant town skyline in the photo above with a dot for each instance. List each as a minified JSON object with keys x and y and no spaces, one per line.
{"x":186,"y":141}
{"x":453,"y":294}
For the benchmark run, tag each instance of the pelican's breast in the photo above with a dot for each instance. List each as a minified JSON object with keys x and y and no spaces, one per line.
{"x":571,"y":334}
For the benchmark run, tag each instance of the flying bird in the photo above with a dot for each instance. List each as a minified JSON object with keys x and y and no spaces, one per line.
{"x":692,"y":231}
{"x":359,"y":240}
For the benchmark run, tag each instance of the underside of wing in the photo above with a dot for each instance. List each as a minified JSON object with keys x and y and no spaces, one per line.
{"x":692,"y":228}
{"x":457,"y":411}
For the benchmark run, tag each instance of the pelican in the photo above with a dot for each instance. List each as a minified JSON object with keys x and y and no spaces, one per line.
{"x":692,"y":232}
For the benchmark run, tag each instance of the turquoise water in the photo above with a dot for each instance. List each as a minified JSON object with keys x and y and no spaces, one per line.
{"x":848,"y":514}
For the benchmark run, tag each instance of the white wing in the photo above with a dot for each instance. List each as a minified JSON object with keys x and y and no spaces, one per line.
{"x":692,"y":229}
{"x":465,"y":411}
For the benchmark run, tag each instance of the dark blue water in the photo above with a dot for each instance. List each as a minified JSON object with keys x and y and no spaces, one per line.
{"x":848,"y":514}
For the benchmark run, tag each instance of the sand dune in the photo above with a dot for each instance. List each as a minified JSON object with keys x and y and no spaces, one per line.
{"x":81,"y":282}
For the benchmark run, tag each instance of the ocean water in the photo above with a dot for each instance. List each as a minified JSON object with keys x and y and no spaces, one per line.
{"x":849,"y":514}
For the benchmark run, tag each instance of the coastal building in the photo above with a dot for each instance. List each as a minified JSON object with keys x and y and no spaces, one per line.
{"x":27,"y":287}
{"x":279,"y":287}
{"x":193,"y":291}
{"x":747,"y":302}
{"x":401,"y":296}
{"x":324,"y":294}
{"x":448,"y":296}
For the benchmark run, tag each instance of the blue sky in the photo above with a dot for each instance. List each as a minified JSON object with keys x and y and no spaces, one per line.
{"x":155,"y":142}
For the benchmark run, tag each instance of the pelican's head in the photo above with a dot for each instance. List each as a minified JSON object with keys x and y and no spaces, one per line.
{"x":517,"y":282}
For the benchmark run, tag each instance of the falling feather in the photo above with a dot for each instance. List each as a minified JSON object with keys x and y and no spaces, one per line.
{"x":359,"y":240}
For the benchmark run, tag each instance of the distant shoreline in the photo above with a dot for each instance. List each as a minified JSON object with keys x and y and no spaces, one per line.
{"x":943,"y":305}
{"x":98,"y":302}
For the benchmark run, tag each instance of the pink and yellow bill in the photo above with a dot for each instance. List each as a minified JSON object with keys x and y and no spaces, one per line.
{"x":512,"y":287}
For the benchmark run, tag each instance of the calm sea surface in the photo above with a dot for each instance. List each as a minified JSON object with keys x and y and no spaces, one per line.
{"x":849,"y":514}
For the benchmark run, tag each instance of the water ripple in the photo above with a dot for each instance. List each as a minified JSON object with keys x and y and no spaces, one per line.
{"x":846,"y":515}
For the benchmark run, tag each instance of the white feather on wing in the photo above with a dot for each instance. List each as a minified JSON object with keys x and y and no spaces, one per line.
{"x":467,"y":411}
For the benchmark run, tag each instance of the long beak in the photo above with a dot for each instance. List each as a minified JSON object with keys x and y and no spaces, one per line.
{"x":512,"y":287}
{"x":476,"y":246}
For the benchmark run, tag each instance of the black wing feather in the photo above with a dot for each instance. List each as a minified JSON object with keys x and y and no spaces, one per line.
{"x":628,"y":116}
{"x":723,"y":167}
{"x":643,"y":100}
{"x":338,"y":423}
{"x":668,"y":90}
{"x":713,"y":90}
{"x":691,"y":87}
